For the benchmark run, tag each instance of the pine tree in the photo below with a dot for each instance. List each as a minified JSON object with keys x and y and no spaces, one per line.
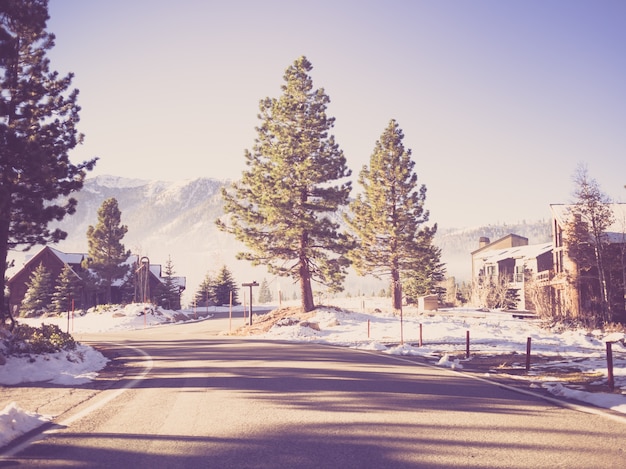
{"x":65,"y":290}
{"x":38,"y":118}
{"x":283,"y":208}
{"x":170,"y":295}
{"x":205,"y":295}
{"x":39,"y":293}
{"x":388,"y":218}
{"x":265,"y":294}
{"x":224,"y":285}
{"x":106,"y":251}
{"x":586,"y":239}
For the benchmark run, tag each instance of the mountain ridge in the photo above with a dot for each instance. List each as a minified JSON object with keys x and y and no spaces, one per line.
{"x":177,"y":219}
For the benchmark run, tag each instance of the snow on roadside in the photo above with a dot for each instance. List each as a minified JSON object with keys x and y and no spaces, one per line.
{"x":74,"y":367}
{"x":443,"y":333}
{"x":15,"y":422}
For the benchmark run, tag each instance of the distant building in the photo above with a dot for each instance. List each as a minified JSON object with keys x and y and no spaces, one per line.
{"x":512,"y":260}
{"x":570,"y":294}
{"x":139,"y":285}
{"x":545,"y":276}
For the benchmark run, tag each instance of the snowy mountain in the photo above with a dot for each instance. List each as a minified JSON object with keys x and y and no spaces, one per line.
{"x":164,"y":219}
{"x":177,"y":219}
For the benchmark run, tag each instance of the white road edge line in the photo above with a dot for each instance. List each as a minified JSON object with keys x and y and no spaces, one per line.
{"x":58,"y":426}
{"x":561,"y":403}
{"x":101,"y":403}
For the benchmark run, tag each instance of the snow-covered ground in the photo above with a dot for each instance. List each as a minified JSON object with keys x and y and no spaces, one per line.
{"x":358,"y":323}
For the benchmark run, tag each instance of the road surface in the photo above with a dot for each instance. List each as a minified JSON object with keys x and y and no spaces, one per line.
{"x":183,"y":397}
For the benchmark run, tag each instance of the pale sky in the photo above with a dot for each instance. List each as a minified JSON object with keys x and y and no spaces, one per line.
{"x":498,"y":100}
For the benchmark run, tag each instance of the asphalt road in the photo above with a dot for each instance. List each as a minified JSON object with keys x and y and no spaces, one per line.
{"x":183,"y":397}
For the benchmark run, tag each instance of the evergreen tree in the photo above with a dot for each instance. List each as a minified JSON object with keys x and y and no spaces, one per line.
{"x":587,"y":241}
{"x":65,"y":290}
{"x":205,"y":295}
{"x":92,"y":290}
{"x":106,"y":251}
{"x":39,"y":292}
{"x":284,"y":206}
{"x":265,"y":294}
{"x":388,"y":219}
{"x":224,"y":285}
{"x":169,"y":296}
{"x":38,"y":118}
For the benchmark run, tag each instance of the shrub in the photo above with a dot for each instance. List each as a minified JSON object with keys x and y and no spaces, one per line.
{"x":48,"y":338}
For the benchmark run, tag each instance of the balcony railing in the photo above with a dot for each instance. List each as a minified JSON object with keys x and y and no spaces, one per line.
{"x":543,"y":276}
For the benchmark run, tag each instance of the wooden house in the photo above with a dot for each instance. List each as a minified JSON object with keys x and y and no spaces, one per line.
{"x":141,"y":283}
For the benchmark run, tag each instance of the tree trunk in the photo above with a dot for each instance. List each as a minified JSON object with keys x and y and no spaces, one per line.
{"x":4,"y":241}
{"x":396,"y":290}
{"x":306,"y":292}
{"x":604,"y":296}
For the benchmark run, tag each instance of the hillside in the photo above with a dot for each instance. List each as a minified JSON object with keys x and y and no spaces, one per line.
{"x":177,"y":219}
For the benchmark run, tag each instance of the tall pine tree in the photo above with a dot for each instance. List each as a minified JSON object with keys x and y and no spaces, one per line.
{"x":284,"y":207}
{"x":107,"y":255}
{"x":388,"y":218}
{"x":38,"y":118}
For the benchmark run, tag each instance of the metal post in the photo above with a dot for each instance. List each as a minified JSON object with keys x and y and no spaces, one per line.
{"x":230,"y":312}
{"x":421,"y":334}
{"x":609,"y":366}
{"x":528,"y":342}
{"x":467,"y":344}
{"x":251,"y":284}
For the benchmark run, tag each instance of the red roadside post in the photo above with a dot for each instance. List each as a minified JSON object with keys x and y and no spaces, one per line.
{"x":528,"y":342}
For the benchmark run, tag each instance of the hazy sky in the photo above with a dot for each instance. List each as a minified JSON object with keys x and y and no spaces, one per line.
{"x":498,"y":100}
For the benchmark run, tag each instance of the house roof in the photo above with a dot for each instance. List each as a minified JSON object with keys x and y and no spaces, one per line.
{"x":489,"y":247}
{"x":69,"y":258}
{"x":77,"y":258}
{"x":616,"y":232}
{"x":65,"y":258}
{"x":520,"y":252}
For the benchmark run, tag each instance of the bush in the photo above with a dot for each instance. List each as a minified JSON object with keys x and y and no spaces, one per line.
{"x":48,"y":338}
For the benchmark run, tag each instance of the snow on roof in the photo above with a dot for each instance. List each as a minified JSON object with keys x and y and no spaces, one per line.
{"x":156,"y":270}
{"x":69,"y":258}
{"x":520,"y":252}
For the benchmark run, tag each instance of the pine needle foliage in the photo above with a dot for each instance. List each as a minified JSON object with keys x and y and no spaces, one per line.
{"x":284,"y":209}
{"x":38,"y":118}
{"x":66,"y":290}
{"x":169,"y":296}
{"x":388,"y":218}
{"x":225,"y":287}
{"x":40,"y":289}
{"x":107,"y":255}
{"x":205,"y":294}
{"x":265,"y":294}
